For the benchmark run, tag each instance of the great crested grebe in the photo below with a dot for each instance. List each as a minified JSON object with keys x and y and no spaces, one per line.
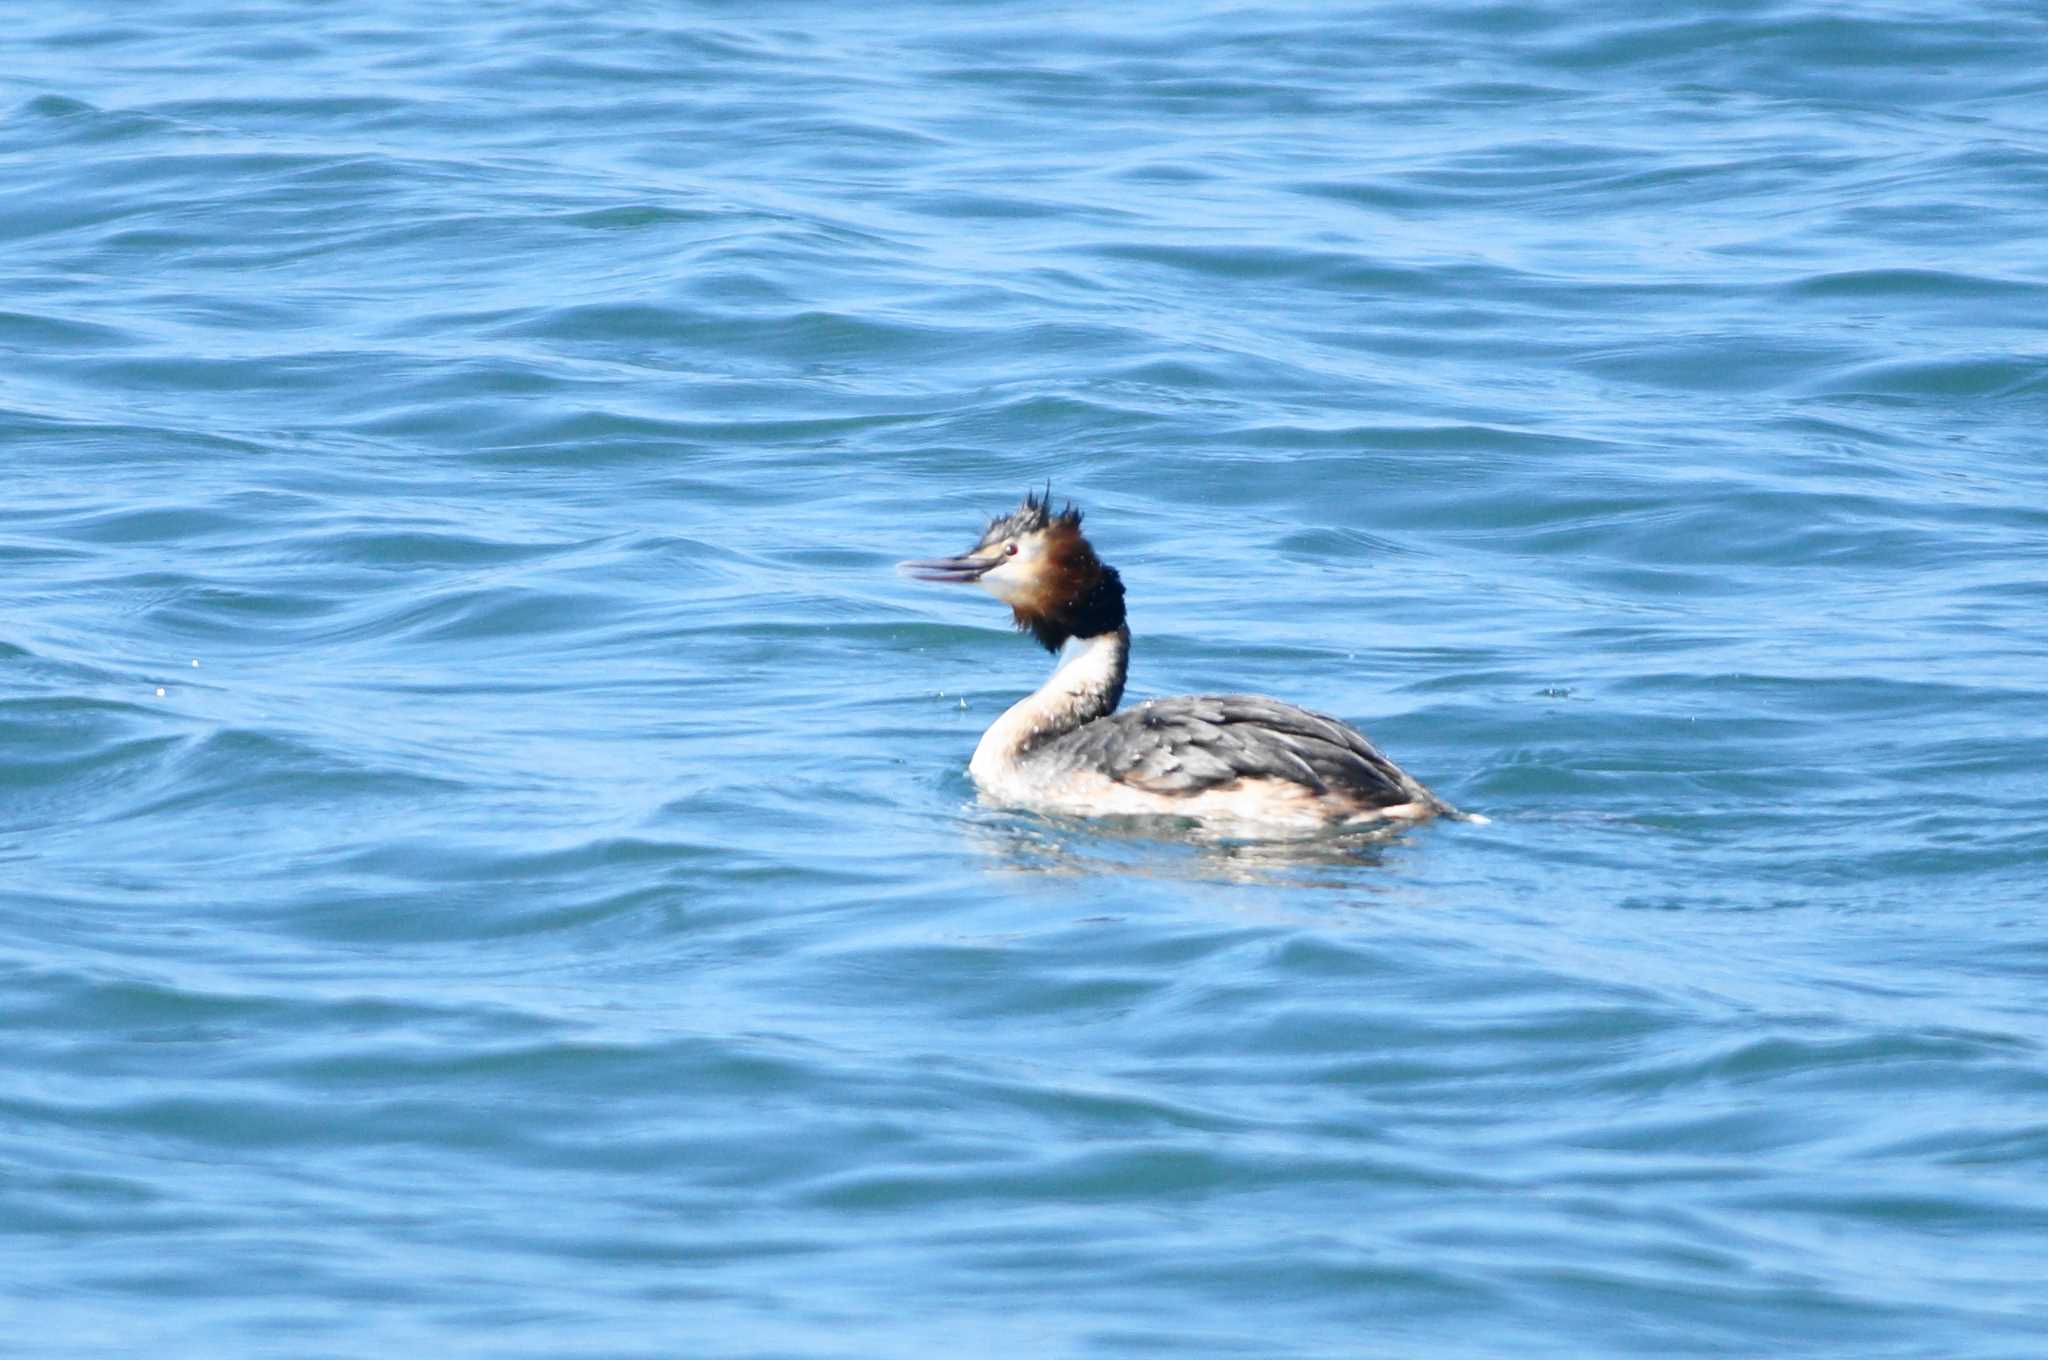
{"x":1214,"y":757}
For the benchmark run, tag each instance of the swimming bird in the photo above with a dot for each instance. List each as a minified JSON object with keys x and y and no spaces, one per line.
{"x":1218,"y":758}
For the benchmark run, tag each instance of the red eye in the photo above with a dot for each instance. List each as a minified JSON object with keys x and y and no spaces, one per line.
{"x":1010,"y":551}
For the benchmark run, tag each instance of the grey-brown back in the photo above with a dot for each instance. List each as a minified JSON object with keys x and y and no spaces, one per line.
{"x":1185,"y":745}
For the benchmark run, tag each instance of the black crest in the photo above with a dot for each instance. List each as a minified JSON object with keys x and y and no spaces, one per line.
{"x":1034,"y":516}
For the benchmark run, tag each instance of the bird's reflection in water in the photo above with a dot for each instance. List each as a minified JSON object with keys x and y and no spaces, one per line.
{"x":1176,"y":849}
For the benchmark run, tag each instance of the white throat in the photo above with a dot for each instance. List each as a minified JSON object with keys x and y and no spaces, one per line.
{"x":1086,"y":685}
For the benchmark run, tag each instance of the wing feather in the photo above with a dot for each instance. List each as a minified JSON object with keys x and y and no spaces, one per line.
{"x":1188,"y":744}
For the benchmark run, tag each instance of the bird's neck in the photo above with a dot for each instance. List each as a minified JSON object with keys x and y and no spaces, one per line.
{"x":1087,"y":685}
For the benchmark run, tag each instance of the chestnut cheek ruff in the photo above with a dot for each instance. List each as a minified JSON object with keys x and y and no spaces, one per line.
{"x":1100,"y":610}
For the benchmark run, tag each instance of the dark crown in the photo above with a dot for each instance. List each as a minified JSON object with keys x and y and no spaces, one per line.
{"x":1033,"y":516}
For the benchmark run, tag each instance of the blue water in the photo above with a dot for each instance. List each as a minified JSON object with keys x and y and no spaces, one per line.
{"x":486,"y":861}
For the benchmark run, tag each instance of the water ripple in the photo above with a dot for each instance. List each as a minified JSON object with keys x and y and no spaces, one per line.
{"x":484,"y":842}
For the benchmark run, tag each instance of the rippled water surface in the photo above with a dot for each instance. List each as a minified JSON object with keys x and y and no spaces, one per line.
{"x":486,"y":862}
